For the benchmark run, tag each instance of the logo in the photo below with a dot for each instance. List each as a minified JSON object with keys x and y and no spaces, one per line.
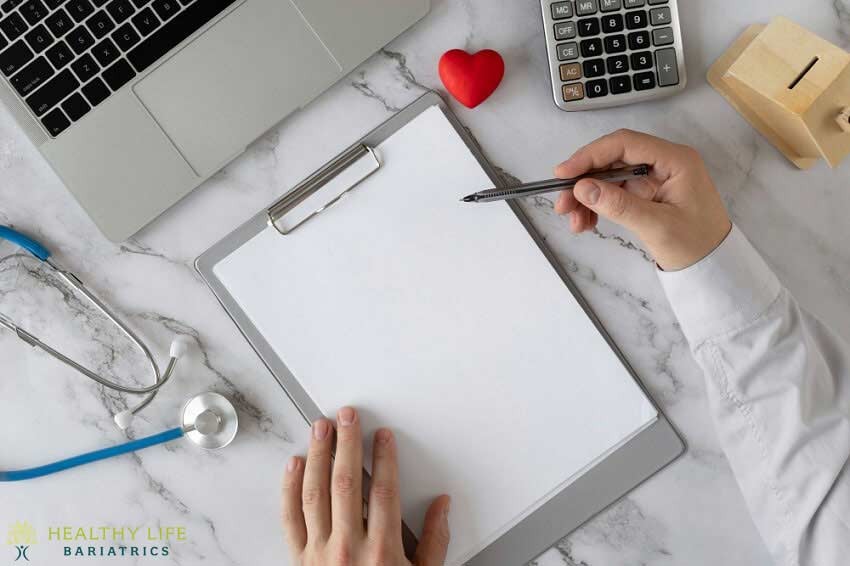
{"x":21,"y":536}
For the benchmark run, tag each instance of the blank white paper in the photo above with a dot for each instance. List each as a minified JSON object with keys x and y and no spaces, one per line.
{"x":444,"y":321}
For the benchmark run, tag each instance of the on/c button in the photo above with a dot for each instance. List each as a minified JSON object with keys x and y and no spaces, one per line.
{"x":574,"y":91}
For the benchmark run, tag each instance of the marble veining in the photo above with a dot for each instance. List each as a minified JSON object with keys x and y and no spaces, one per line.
{"x":692,"y":513}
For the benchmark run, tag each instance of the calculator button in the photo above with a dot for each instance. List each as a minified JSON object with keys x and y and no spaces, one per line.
{"x":634,"y":3}
{"x":572,"y":92}
{"x":597,"y":88}
{"x":662,"y":36}
{"x":618,"y":64}
{"x":667,"y":67}
{"x":565,"y":30}
{"x":642,"y":61}
{"x":644,"y":81}
{"x":585,"y":7}
{"x":594,"y":68}
{"x":660,"y":16}
{"x":615,"y":44}
{"x":612,"y":23}
{"x":610,"y":5}
{"x":638,"y":40}
{"x":561,"y":10}
{"x":591,"y":47}
{"x":636,"y":19}
{"x":567,"y":51}
{"x":588,"y":27}
{"x":620,"y":85}
{"x":570,"y":71}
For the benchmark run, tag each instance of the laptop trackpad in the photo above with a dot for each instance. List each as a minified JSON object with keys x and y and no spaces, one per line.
{"x":221,"y":91}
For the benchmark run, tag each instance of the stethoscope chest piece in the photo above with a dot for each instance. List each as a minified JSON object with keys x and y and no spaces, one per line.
{"x":210,"y":421}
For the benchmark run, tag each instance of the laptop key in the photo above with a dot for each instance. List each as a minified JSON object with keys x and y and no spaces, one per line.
{"x":120,"y":10}
{"x":59,"y":22}
{"x":56,"y":122}
{"x":118,"y":74}
{"x":39,"y":38}
{"x":13,"y":26}
{"x":126,"y":37}
{"x":100,"y":24}
{"x":105,"y":52}
{"x":59,"y":55}
{"x":32,"y":76}
{"x":10,"y":5}
{"x":95,"y":92}
{"x":80,"y":9}
{"x":85,"y":67}
{"x":53,"y":4}
{"x":165,"y":8}
{"x":180,"y":27}
{"x":34,"y":11}
{"x":75,"y":106}
{"x":80,"y":39}
{"x":145,"y":21}
{"x":15,"y":57}
{"x":53,"y":92}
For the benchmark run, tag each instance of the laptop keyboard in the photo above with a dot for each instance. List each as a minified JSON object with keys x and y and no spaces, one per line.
{"x":64,"y":57}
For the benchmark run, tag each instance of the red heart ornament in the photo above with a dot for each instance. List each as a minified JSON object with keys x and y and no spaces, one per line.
{"x":471,"y":78}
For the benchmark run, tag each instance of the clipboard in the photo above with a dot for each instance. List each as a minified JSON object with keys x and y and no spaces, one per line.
{"x":597,"y":486}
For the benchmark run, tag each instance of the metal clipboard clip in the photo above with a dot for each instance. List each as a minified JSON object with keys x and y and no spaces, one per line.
{"x":316,"y":181}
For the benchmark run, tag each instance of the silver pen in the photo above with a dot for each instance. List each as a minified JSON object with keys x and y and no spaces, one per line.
{"x":553,"y":185}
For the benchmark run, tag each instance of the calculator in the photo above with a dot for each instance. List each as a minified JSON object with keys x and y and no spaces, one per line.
{"x":612,"y":52}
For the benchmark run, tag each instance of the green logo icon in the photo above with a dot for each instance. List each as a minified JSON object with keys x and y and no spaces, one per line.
{"x":21,"y":536}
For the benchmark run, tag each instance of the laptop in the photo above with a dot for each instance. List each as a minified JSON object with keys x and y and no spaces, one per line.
{"x":136,"y":102}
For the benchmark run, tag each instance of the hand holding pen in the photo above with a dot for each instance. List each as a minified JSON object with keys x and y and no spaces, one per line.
{"x":676,"y":210}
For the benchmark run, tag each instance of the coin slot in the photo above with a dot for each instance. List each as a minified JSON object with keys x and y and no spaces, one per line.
{"x":804,"y":73}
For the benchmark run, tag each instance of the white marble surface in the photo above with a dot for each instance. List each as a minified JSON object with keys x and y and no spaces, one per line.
{"x":690,"y":514}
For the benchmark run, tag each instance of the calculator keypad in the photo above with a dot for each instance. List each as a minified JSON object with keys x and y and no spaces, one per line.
{"x":608,"y":52}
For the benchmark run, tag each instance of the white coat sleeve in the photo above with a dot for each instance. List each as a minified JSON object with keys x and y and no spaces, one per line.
{"x":778,"y":385}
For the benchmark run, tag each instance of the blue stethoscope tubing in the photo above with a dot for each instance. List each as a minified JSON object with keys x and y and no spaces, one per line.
{"x":205,"y":401}
{"x":24,"y":242}
{"x":89,"y":457}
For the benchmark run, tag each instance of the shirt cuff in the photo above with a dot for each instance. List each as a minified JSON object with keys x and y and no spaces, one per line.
{"x":724,"y":291}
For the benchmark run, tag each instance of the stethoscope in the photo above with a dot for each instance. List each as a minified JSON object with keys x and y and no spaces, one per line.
{"x":209,"y":419}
